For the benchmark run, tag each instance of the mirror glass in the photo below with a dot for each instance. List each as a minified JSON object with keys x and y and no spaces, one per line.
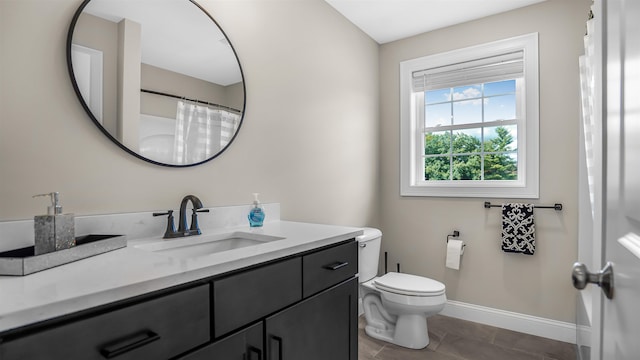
{"x":158,"y":77}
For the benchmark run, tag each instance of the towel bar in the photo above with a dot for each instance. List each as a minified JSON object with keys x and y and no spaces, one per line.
{"x":557,"y":207}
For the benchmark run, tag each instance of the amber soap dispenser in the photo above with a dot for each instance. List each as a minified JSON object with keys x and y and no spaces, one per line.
{"x":54,"y":231}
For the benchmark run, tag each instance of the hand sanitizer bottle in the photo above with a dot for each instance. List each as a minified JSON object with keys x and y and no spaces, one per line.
{"x":256,"y":215}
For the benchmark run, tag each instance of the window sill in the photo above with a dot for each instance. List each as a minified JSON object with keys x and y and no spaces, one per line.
{"x":530,"y":192}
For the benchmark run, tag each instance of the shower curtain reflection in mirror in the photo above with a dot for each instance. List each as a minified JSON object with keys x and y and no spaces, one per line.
{"x":201,"y":132}
{"x":197,"y":133}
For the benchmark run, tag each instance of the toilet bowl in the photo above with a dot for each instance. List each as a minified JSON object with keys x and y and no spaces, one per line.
{"x":396,"y":305}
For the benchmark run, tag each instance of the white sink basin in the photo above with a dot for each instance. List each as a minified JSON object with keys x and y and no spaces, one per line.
{"x":201,"y":245}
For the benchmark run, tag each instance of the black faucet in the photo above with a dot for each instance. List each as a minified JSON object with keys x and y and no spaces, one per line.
{"x":182,"y":231}
{"x":194,"y":229}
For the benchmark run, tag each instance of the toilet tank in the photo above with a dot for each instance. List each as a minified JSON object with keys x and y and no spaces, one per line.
{"x":368,"y":253}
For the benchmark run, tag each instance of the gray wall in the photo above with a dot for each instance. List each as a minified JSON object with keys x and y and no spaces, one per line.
{"x":309,"y":139}
{"x":415,"y":228}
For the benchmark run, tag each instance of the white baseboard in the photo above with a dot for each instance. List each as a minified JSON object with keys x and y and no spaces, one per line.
{"x":533,"y":325}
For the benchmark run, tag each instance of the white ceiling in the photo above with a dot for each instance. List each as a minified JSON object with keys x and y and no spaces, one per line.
{"x":389,"y":20}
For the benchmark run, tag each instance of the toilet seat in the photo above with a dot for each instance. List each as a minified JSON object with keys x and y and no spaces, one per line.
{"x":407,"y":284}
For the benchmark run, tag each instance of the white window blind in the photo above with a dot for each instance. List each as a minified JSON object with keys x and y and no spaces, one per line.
{"x":488,"y":69}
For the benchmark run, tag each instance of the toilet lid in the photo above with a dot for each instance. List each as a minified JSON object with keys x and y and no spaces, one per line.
{"x":406,"y":284}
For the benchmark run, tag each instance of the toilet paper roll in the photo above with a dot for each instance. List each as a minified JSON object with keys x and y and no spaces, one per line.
{"x":455,"y":249}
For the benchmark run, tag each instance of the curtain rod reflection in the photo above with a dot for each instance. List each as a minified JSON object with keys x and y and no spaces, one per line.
{"x":187,"y":99}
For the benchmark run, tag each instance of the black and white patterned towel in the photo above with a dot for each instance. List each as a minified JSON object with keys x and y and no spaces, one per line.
{"x":518,"y":229}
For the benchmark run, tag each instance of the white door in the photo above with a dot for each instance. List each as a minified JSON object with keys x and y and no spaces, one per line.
{"x":619,"y":315}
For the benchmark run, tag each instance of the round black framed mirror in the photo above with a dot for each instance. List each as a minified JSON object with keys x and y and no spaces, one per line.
{"x":159,"y":78}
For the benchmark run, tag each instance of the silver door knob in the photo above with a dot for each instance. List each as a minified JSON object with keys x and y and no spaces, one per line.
{"x":604,"y":278}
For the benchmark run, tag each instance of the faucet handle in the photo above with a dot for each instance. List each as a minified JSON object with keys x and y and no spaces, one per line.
{"x":195,"y":228}
{"x":170,"y":232}
{"x":169,"y":212}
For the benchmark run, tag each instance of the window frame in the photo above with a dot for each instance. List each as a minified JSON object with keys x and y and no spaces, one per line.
{"x":412,"y":136}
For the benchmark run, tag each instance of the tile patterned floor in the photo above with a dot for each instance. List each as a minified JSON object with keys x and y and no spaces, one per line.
{"x":455,"y":339}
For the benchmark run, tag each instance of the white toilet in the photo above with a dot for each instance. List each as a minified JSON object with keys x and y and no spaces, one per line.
{"x":396,"y":305}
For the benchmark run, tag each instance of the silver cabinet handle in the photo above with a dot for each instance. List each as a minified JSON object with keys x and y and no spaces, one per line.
{"x":363,"y":245}
{"x":604,"y":278}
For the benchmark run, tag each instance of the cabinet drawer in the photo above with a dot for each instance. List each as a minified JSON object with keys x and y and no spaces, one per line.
{"x":242,"y":298}
{"x":328,"y":267}
{"x":156,"y":329}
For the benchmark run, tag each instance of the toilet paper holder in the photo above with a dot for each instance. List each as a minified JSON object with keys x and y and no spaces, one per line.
{"x":455,"y":234}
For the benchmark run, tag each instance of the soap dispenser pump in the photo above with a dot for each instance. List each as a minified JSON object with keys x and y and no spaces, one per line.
{"x":54,"y":231}
{"x":256,"y":215}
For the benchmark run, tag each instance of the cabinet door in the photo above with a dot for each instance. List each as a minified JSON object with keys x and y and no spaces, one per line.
{"x":243,"y":345}
{"x":322,"y":327}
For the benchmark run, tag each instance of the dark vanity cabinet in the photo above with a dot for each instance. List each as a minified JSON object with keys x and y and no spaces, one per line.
{"x":319,"y":328}
{"x":323,"y":325}
{"x":309,"y":304}
{"x":299,"y":307}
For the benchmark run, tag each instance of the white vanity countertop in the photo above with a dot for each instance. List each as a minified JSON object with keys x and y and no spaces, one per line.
{"x":129,"y":272}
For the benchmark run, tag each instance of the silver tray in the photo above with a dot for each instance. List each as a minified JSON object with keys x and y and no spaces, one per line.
{"x":23,"y":261}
